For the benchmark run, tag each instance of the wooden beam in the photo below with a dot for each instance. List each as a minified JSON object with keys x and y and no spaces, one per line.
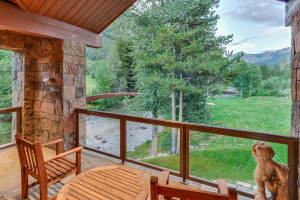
{"x":109,"y":95}
{"x":291,"y":8}
{"x":30,"y":23}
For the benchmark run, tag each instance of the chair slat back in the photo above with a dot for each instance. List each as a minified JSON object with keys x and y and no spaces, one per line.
{"x":172,"y":192}
{"x":28,"y":154}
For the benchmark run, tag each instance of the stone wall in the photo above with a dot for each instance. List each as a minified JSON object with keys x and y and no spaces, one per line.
{"x":295,"y":78}
{"x":48,"y":82}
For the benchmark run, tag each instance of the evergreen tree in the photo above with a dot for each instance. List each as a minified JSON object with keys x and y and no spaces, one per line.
{"x":5,"y":79}
{"x":124,"y":49}
{"x":248,"y":80}
{"x":265,"y":71}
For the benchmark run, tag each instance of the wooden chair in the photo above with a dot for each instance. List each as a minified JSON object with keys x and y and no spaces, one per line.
{"x":46,"y":172}
{"x":161,"y":190}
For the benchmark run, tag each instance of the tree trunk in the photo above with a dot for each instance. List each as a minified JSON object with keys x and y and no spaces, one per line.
{"x":180,"y":120}
{"x":154,"y":138}
{"x":173,"y":110}
{"x":173,"y":119}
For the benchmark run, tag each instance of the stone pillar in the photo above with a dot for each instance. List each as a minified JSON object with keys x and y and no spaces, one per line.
{"x":295,"y":79}
{"x":49,"y":83}
{"x":74,"y":91}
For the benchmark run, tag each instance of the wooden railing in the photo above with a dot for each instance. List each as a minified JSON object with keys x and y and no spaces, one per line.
{"x":18,"y":110}
{"x":291,"y":142}
{"x":109,"y":95}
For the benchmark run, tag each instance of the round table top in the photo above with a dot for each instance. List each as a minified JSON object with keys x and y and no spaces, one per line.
{"x":108,"y":182}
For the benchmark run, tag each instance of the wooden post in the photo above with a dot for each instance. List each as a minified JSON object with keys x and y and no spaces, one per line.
{"x":78,"y":162}
{"x":123,"y":139}
{"x":293,"y":150}
{"x":58,"y":148}
{"x":77,"y":128}
{"x":184,"y":151}
{"x":153,"y":188}
{"x":19,"y":121}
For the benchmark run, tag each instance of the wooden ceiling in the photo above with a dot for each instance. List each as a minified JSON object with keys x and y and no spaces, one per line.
{"x":92,"y":15}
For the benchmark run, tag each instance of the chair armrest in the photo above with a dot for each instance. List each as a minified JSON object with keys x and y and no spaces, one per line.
{"x":53,"y":142}
{"x":58,"y":145}
{"x":222,"y":187}
{"x":77,"y":149}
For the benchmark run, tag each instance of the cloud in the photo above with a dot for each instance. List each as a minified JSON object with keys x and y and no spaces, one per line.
{"x":268,"y":12}
{"x":279,"y":29}
{"x":246,"y":40}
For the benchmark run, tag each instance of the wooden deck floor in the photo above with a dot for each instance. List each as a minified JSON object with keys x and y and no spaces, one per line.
{"x":10,"y":188}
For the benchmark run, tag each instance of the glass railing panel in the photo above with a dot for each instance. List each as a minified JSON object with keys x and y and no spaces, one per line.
{"x":215,"y":157}
{"x":5,"y":128}
{"x":141,"y":144}
{"x":103,"y":134}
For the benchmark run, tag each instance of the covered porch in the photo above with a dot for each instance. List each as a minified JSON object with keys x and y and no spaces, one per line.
{"x":49,"y":93}
{"x":10,"y":180}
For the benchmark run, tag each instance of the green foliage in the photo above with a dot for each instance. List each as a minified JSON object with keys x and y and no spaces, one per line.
{"x":124,"y":50}
{"x":213,"y":156}
{"x":196,"y":109}
{"x":119,"y":80}
{"x":5,"y":95}
{"x":5,"y":131}
{"x":104,"y":104}
{"x":104,"y":76}
{"x":274,"y":86}
{"x":174,"y":46}
{"x":5,"y":79}
{"x":265,"y":71}
{"x":248,"y":81}
{"x":95,"y":54}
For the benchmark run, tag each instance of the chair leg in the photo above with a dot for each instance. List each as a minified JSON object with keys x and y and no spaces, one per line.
{"x":78,"y":162}
{"x":24,"y":183}
{"x":43,"y":190}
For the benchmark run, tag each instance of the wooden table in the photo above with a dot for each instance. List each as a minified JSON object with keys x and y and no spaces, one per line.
{"x":109,"y":182}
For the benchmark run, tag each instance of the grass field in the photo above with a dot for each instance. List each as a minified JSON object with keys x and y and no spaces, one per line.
{"x":90,"y":84}
{"x":214,"y":156}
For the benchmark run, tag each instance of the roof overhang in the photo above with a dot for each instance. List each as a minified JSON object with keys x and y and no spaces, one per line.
{"x":76,"y":20}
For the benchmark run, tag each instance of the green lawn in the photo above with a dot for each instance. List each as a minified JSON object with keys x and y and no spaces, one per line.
{"x":215,"y":156}
{"x":90,"y":84}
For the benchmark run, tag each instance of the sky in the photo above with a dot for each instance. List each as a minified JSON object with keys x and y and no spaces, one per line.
{"x":256,"y":25}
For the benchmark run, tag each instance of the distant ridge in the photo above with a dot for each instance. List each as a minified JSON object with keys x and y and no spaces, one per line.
{"x":268,"y":57}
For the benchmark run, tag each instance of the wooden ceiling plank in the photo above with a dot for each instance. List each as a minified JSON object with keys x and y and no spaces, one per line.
{"x":48,"y":4}
{"x":95,"y":17}
{"x":65,"y":9}
{"x":30,"y":23}
{"x":27,"y":2}
{"x":72,"y":11}
{"x":85,"y":17}
{"x":35,"y":5}
{"x":81,"y":11}
{"x":21,"y":5}
{"x":58,"y":6}
{"x":108,"y":19}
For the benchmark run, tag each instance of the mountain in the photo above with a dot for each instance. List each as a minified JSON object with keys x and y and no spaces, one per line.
{"x":268,"y":57}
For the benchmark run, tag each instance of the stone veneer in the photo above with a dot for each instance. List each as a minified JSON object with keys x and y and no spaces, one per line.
{"x":49,"y":83}
{"x":295,"y":69}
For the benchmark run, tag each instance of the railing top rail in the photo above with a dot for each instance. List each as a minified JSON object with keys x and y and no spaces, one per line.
{"x":281,"y":139}
{"x":9,"y":110}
